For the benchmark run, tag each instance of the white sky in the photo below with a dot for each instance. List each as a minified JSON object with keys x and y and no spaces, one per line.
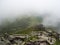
{"x":12,"y":8}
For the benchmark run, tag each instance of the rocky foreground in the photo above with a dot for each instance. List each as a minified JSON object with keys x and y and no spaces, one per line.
{"x":46,"y":37}
{"x":35,"y":38}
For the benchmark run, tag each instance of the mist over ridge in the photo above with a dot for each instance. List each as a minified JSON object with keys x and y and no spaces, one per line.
{"x":49,"y":10}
